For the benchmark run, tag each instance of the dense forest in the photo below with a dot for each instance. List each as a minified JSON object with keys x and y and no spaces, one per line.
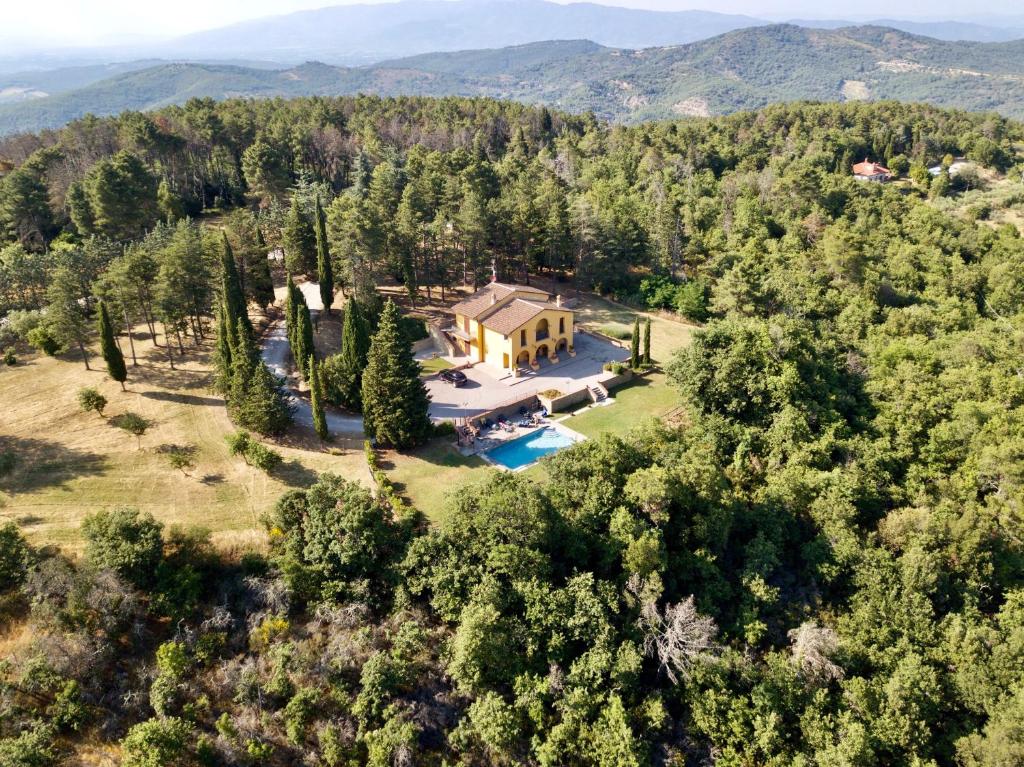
{"x":822,"y":564}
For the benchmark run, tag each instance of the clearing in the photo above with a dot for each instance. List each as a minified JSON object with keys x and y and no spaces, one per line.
{"x":70,"y":463}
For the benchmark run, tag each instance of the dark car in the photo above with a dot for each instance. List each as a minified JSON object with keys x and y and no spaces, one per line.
{"x":454,"y":377}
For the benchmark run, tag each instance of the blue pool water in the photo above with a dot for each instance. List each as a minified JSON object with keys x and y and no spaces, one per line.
{"x":523,"y":451}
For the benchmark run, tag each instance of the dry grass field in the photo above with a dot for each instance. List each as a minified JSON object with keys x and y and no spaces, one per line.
{"x":71,"y":463}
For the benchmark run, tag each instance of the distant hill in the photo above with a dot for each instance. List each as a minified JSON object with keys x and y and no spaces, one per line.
{"x":743,"y":69}
{"x":940,"y":30}
{"x":355,"y":34}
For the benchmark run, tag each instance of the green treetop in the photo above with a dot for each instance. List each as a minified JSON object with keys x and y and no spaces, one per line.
{"x":395,"y":401}
{"x":316,"y":399}
{"x":324,"y":270}
{"x":343,"y":372}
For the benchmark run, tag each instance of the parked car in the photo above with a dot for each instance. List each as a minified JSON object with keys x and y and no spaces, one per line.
{"x":454,"y":377}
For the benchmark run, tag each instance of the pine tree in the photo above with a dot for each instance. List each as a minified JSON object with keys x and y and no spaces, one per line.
{"x":324,"y":270}
{"x":316,"y":399}
{"x":343,"y":373}
{"x":647,"y":342}
{"x":395,"y":401}
{"x":255,"y":401}
{"x":222,"y":360}
{"x":108,"y":348}
{"x":299,"y":239}
{"x":634,"y":357}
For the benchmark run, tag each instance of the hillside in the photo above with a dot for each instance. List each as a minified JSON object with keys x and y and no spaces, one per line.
{"x":355,"y":34}
{"x":743,"y":69}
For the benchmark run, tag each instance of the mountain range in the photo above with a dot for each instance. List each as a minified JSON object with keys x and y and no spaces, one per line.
{"x":741,"y":69}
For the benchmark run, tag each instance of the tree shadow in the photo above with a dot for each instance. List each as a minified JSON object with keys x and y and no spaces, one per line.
{"x":212,"y":479}
{"x":183,"y":399}
{"x":39,"y":463}
{"x":294,"y":474}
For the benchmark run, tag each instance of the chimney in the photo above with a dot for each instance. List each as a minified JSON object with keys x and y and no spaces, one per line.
{"x":494,"y":270}
{"x":494,"y":298}
{"x":558,"y":300}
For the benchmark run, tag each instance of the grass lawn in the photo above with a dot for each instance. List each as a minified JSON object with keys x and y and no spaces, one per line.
{"x":426,"y":475}
{"x":435,"y":365}
{"x":648,"y":397}
{"x":610,"y":318}
{"x":70,"y":464}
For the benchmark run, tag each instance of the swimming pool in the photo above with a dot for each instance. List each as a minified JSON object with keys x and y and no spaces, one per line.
{"x":523,"y":451}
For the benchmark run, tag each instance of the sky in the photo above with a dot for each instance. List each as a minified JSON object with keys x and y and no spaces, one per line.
{"x":89,"y":22}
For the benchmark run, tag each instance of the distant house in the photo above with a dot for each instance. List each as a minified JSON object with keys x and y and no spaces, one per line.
{"x":508,"y":326}
{"x":871,"y":171}
{"x":954,"y":169}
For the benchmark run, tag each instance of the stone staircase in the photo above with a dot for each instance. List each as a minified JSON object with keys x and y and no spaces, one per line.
{"x":597,"y":393}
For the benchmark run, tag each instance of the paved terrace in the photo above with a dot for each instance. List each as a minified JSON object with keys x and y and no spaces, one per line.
{"x":488,"y":388}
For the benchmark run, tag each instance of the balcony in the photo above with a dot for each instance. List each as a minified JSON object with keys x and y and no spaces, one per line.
{"x":542,"y":335}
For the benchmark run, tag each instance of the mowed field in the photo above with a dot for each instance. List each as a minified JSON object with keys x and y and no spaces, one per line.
{"x":70,"y":464}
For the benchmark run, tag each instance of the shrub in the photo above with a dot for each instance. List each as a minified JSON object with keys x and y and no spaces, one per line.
{"x":550,"y":393}
{"x":126,"y":541}
{"x":15,"y":556}
{"x":616,"y":368}
{"x":134,"y":424}
{"x":262,"y":457}
{"x":42,"y":339}
{"x":157,"y":743}
{"x":444,"y":428}
{"x":414,"y":329}
{"x":691,"y":300}
{"x":658,"y":292}
{"x":89,"y":399}
{"x":9,"y":358}
{"x":239,"y":443}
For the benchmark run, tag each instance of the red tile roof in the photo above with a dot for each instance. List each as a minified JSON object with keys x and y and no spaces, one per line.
{"x":489,"y":295}
{"x":867,"y":168}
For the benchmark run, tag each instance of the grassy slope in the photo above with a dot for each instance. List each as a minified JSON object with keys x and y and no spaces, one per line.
{"x":744,"y":69}
{"x":73,"y":463}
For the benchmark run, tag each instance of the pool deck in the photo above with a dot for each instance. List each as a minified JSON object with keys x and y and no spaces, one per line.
{"x":496,"y":437}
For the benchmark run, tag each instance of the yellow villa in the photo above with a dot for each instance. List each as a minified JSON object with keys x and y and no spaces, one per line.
{"x":512,"y":326}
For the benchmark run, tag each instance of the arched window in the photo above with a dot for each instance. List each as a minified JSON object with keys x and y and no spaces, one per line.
{"x":542,"y":330}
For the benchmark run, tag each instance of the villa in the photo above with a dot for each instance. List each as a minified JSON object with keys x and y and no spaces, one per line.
{"x":871,"y":171}
{"x":512,"y":326}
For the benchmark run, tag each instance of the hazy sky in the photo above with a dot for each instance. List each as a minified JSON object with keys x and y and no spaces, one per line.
{"x":92,"y":21}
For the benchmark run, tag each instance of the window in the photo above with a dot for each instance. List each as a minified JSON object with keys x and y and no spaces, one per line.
{"x":522,"y":338}
{"x":561,"y":325}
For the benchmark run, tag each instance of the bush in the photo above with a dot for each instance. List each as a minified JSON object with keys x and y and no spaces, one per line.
{"x":8,"y":460}
{"x":255,"y":454}
{"x":41,"y":338}
{"x":444,"y":428}
{"x":262,"y":457}
{"x":414,"y":329}
{"x":616,"y":368}
{"x":691,"y":300}
{"x":9,"y":359}
{"x":157,"y":743}
{"x":89,"y":399}
{"x":15,"y":557}
{"x":126,"y":541}
{"x":658,"y":292}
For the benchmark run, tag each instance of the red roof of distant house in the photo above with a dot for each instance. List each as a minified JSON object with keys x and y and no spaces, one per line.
{"x":867,"y":168}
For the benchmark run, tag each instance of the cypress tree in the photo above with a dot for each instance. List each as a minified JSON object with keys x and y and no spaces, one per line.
{"x":343,"y":373}
{"x":647,"y":342}
{"x":395,"y":401}
{"x":634,"y":357}
{"x":316,"y":400}
{"x":108,"y":348}
{"x":291,"y":310}
{"x":244,"y":359}
{"x":223,"y":353}
{"x":262,"y":281}
{"x":266,"y":409}
{"x":303,"y":348}
{"x":234,"y":295}
{"x":324,"y":270}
